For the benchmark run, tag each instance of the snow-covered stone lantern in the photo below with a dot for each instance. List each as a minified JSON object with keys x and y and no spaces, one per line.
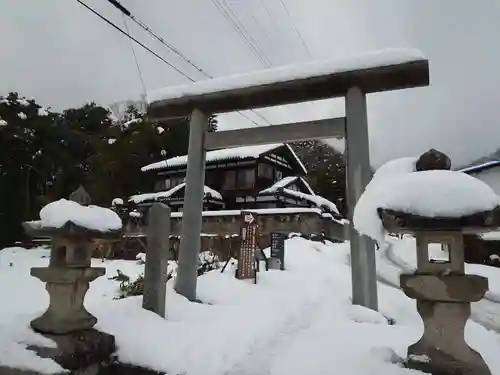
{"x":434,"y":206}
{"x":442,"y":290}
{"x":73,"y":228}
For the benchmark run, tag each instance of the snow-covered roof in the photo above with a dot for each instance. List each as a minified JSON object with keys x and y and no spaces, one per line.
{"x":236,"y":153}
{"x":259,"y":211}
{"x":283,"y":183}
{"x":490,"y":236}
{"x":317,"y":200}
{"x":279,"y":184}
{"x":287,"y":73}
{"x":139,"y":198}
{"x":481,"y":167}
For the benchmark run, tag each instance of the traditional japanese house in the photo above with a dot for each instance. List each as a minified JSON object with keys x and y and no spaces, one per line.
{"x":253,"y":177}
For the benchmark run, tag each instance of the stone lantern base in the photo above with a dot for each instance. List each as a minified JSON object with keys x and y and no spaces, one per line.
{"x":443,"y":302}
{"x":67,"y":288}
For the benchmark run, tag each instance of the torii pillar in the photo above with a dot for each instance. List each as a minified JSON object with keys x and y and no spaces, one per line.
{"x":352,"y":79}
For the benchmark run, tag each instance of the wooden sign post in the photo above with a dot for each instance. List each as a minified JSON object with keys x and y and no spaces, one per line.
{"x":277,"y":260}
{"x":248,"y":235}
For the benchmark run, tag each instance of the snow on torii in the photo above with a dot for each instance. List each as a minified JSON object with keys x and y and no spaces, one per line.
{"x":351,"y":78}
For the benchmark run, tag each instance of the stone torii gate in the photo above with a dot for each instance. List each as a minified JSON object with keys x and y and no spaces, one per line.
{"x":353,"y":79}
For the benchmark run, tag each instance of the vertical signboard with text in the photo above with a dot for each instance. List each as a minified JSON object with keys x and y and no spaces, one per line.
{"x":277,"y":260}
{"x":248,"y":235}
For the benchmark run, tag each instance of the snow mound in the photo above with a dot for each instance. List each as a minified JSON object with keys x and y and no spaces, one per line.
{"x":291,"y":322}
{"x":57,"y":214}
{"x":393,"y":168}
{"x":361,"y":314}
{"x":434,"y":193}
{"x":117,"y":202}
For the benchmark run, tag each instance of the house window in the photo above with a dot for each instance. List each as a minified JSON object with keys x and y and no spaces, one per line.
{"x":279,"y":175}
{"x":245,"y":179}
{"x":160,"y":185}
{"x":229,"y":180}
{"x":265,"y":171}
{"x":267,"y":205}
{"x":173,"y":182}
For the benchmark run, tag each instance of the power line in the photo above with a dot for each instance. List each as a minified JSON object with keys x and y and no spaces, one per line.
{"x":263,"y":29}
{"x":126,"y":12}
{"x":136,"y":60}
{"x":249,"y":36}
{"x":135,"y":40}
{"x":241,"y":30}
{"x":262,"y":2}
{"x":297,"y":31}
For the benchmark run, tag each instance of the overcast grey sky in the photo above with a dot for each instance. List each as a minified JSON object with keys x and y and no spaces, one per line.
{"x":62,"y":55}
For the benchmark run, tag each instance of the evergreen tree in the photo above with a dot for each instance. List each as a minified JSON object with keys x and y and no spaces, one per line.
{"x":26,"y":144}
{"x":326,"y":171}
{"x":44,"y":156}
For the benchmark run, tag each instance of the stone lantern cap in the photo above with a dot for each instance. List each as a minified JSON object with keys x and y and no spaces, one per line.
{"x":399,"y":222}
{"x":64,"y":218}
{"x":69,"y":230}
{"x":420,"y":194}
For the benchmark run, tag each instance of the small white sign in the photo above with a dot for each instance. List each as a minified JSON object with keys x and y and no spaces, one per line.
{"x":249,"y":218}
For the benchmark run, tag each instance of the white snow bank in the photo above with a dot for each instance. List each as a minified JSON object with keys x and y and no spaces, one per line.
{"x":14,"y":341}
{"x":435,"y":193}
{"x":491,"y":236}
{"x":22,"y":115}
{"x":287,"y":73}
{"x":293,"y":322}
{"x":57,"y":214}
{"x":361,"y":314}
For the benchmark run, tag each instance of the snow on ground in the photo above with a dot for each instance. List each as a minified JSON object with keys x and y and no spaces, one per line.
{"x":292,"y":322}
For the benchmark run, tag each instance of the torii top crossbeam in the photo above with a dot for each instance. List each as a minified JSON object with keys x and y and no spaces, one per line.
{"x":384,"y":70}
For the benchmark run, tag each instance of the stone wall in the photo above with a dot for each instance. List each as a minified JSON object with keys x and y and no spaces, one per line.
{"x":220,"y":231}
{"x":310,"y":222}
